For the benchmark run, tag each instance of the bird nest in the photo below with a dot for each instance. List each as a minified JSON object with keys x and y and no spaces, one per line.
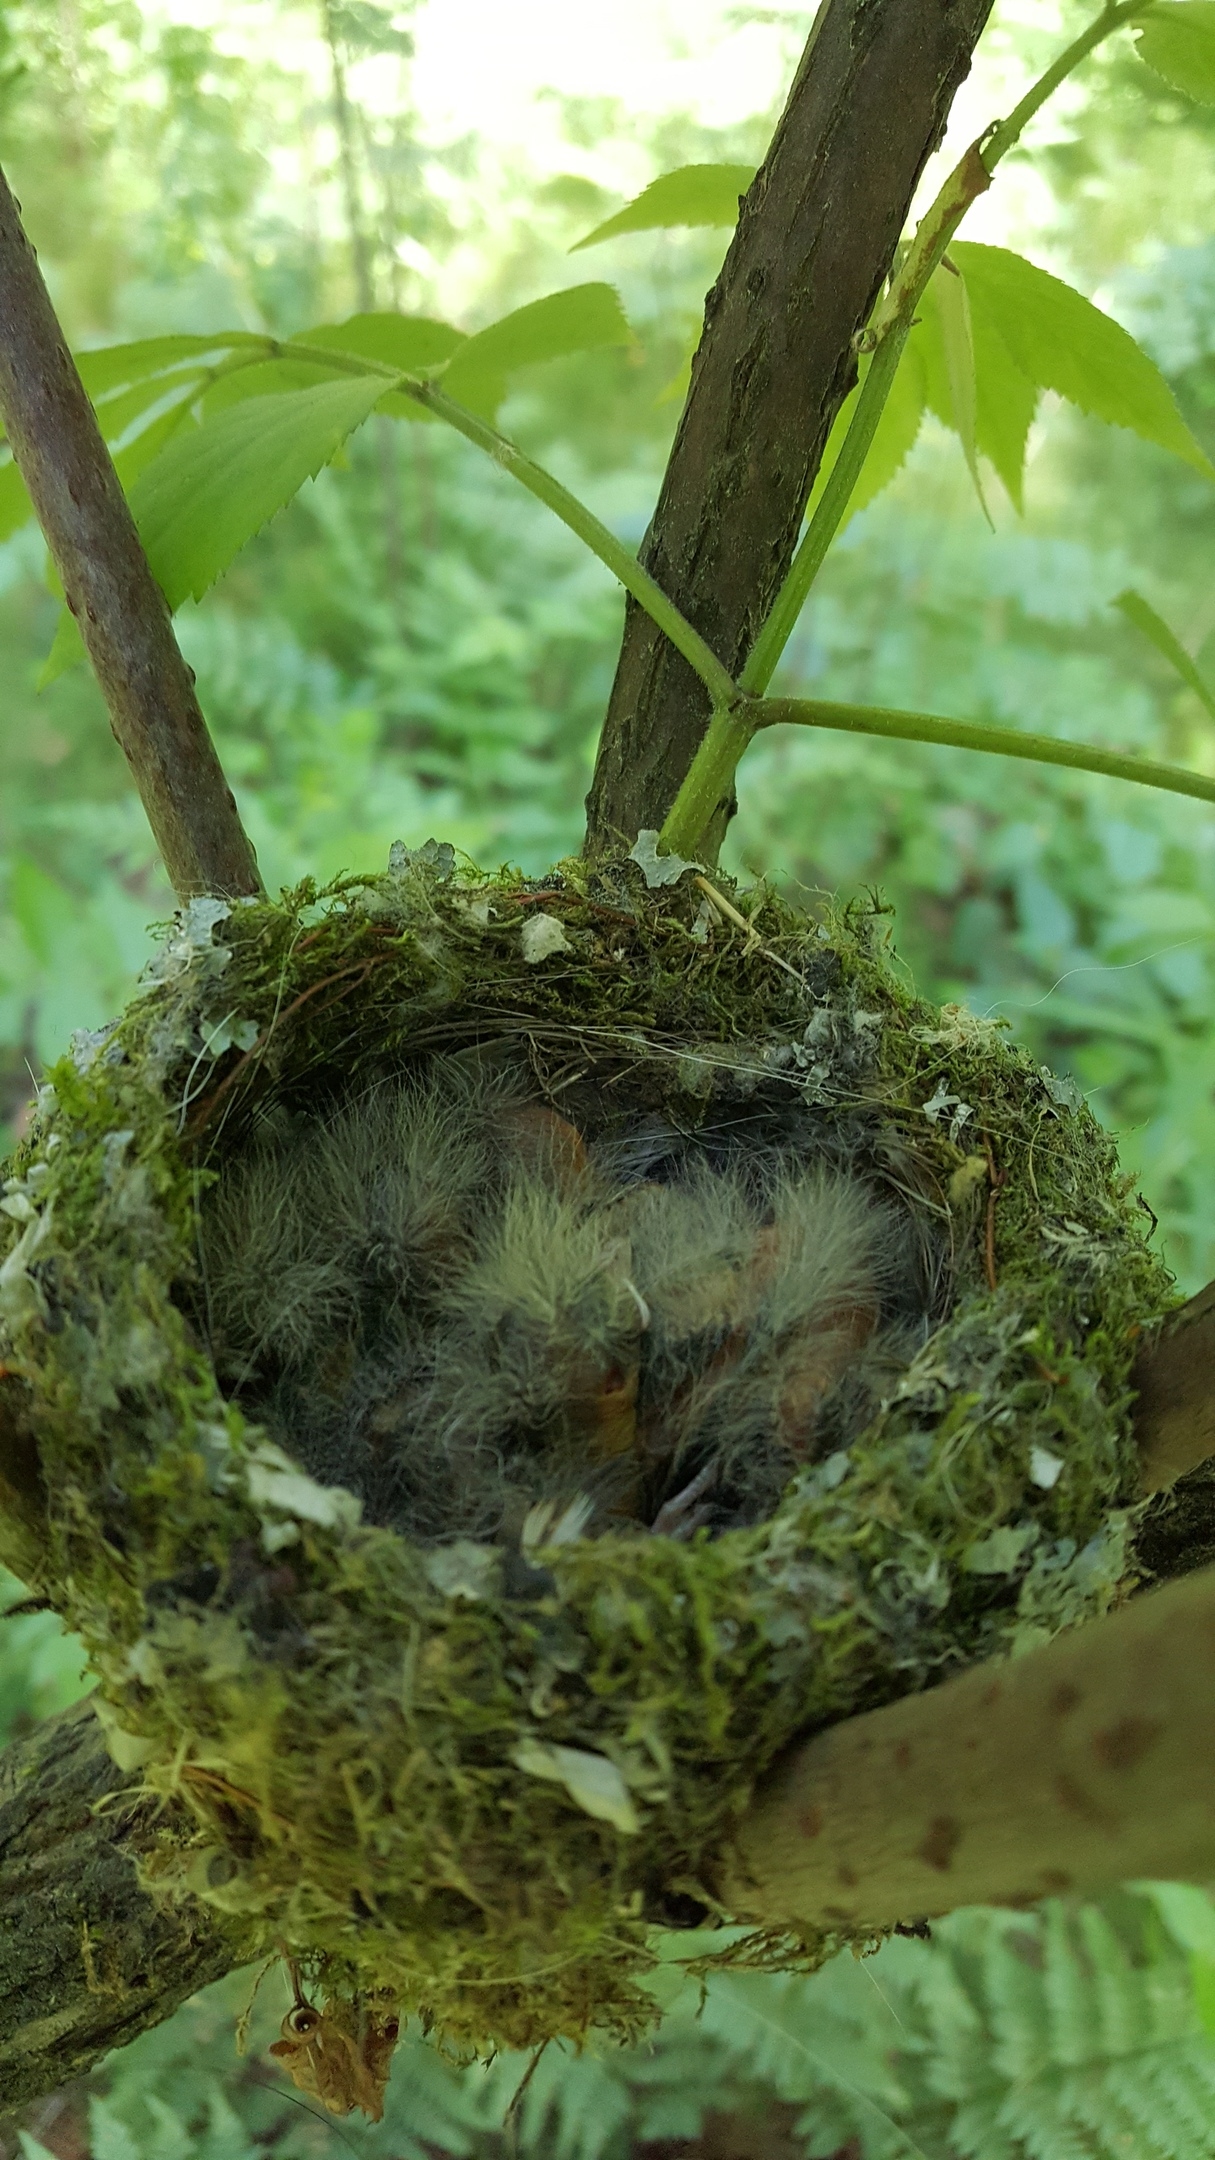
{"x":459,"y":1737}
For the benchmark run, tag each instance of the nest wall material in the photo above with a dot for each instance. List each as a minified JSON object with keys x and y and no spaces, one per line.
{"x":433,"y":1772}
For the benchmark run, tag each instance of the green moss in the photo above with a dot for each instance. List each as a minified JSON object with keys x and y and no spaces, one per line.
{"x":358,"y":1725}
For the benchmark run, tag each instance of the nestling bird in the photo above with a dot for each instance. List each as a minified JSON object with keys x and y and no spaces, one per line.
{"x":442,"y":1297}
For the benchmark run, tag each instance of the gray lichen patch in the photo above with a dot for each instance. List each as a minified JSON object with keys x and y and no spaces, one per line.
{"x":472,"y":1777}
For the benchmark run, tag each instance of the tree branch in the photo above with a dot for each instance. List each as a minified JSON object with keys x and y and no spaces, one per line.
{"x":1083,"y":1765}
{"x":816,"y":235}
{"x":1175,"y":1379}
{"x":109,"y":588}
{"x":89,"y":1960}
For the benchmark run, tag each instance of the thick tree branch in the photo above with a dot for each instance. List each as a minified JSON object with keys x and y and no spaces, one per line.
{"x":1175,"y":1378}
{"x":816,"y":236}
{"x":109,"y":588}
{"x":1085,"y":1764}
{"x":87,"y":1959}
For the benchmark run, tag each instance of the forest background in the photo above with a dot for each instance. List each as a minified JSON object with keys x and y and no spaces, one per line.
{"x":414,"y":647}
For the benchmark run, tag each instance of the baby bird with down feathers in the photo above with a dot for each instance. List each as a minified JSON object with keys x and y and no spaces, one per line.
{"x":440,"y":1298}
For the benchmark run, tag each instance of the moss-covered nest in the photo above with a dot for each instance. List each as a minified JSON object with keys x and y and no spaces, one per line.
{"x":475,"y":1782}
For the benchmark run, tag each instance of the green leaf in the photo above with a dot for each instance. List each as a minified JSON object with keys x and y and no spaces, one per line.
{"x":953,"y":307}
{"x":211,"y":489}
{"x":584,"y":318}
{"x":1061,"y":342}
{"x":270,"y":378}
{"x":893,"y":438}
{"x":1178,"y":42}
{"x":408,"y":342}
{"x":413,"y":343}
{"x":1005,"y":403}
{"x":692,"y":195}
{"x":1187,"y":1913}
{"x":16,"y":509}
{"x":1153,"y":626}
{"x":114,"y":367}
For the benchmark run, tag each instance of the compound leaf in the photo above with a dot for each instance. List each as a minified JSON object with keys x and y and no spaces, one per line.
{"x":1061,"y":342}
{"x":691,"y":195}
{"x":213,"y":487}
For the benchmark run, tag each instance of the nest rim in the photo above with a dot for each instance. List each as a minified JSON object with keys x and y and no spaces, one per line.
{"x":303,"y":1696}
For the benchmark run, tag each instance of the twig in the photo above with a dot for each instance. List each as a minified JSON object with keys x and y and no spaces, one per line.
{"x":755,"y":943}
{"x":121,"y":611}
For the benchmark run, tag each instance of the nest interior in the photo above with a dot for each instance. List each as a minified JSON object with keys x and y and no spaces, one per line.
{"x":471,"y":1770}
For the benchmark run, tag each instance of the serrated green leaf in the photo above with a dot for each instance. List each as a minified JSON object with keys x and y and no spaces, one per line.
{"x":209,"y":491}
{"x":691,"y":195}
{"x":108,"y":368}
{"x":1061,"y":342}
{"x":400,"y":341}
{"x":269,"y":378}
{"x":583,"y":318}
{"x":953,"y":308}
{"x":893,"y":440}
{"x":1153,"y":626}
{"x":409,"y":342}
{"x":1005,"y":403}
{"x":1178,"y":42}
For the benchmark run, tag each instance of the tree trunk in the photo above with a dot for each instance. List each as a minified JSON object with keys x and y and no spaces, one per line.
{"x":816,"y":236}
{"x":87,"y":1959}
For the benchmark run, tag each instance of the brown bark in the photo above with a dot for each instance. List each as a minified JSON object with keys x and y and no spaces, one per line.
{"x":1175,"y":1377}
{"x":816,"y":236}
{"x":87,"y":1960}
{"x":121,"y":611}
{"x":1083,"y":1765}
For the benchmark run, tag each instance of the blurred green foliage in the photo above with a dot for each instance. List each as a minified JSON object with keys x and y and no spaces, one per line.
{"x":413,"y":647}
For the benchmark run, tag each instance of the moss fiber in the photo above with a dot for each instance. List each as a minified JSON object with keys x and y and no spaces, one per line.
{"x":362,"y":1728}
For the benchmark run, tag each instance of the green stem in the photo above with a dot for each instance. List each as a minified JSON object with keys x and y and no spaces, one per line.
{"x":720,"y":684}
{"x":711,"y":778}
{"x":885,"y":339}
{"x":967,"y":735}
{"x":717,"y":679}
{"x":828,"y":515}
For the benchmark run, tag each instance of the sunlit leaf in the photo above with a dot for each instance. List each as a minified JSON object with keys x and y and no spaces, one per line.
{"x":117,"y":414}
{"x":1178,"y":42}
{"x":1005,"y":403}
{"x":893,"y":438}
{"x":692,"y":195}
{"x":270,"y":378}
{"x":1061,"y":342}
{"x":408,"y":342}
{"x":1153,"y":626}
{"x":114,"y":367}
{"x":581,"y":319}
{"x":958,"y":343}
{"x":210,"y":490}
